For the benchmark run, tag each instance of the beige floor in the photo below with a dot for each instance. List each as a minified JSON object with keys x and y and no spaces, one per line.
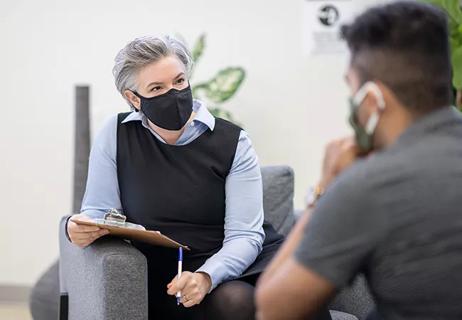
{"x":14,"y":312}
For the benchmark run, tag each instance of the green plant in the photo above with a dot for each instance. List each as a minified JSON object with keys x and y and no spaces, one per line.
{"x":454,"y":11}
{"x":220,"y":88}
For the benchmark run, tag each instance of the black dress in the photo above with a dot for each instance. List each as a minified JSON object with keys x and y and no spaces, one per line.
{"x":180,"y":191}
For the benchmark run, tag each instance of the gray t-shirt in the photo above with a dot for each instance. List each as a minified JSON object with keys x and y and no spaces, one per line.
{"x":397,"y":217}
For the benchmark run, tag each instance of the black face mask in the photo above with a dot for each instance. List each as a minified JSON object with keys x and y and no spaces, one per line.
{"x":170,"y":110}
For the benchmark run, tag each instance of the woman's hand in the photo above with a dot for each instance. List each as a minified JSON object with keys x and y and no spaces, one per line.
{"x":193,"y":287}
{"x":82,"y":236}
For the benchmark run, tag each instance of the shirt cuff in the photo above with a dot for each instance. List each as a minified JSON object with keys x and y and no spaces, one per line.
{"x":213,"y":270}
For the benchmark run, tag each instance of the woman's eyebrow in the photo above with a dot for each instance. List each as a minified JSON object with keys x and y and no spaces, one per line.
{"x":154,"y":83}
{"x":179,"y":75}
{"x":160,"y":83}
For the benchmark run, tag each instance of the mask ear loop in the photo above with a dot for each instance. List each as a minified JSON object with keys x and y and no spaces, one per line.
{"x":365,"y":89}
{"x":361,"y":94}
{"x":374,"y":118}
{"x":359,"y":98}
{"x":372,"y":123}
{"x":374,"y":88}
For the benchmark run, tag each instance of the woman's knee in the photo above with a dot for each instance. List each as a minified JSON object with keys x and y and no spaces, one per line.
{"x":232,"y":300}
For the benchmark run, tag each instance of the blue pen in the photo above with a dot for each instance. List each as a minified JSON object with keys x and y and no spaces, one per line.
{"x":180,"y":267}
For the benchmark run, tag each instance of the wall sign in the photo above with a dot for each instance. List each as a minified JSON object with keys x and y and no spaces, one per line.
{"x":322,"y":20}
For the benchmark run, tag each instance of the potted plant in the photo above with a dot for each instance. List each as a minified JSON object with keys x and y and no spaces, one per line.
{"x":218,"y":89}
{"x":454,"y":11}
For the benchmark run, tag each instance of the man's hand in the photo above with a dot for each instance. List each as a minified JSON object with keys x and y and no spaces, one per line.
{"x":193,"y":287}
{"x":83,"y":236}
{"x":339,"y":155}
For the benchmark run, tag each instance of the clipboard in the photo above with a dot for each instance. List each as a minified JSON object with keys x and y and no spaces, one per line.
{"x":148,"y":236}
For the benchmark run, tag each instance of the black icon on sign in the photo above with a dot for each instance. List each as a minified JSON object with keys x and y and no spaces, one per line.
{"x":328,"y":15}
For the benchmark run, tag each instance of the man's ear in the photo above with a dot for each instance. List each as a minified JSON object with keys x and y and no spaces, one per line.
{"x":133,"y":99}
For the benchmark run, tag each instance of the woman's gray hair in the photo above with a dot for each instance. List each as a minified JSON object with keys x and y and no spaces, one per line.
{"x":143,"y":51}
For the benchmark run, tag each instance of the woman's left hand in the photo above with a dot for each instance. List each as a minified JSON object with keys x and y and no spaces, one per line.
{"x":193,"y":287}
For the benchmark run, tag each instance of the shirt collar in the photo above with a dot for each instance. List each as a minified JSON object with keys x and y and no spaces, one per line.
{"x":203,"y":115}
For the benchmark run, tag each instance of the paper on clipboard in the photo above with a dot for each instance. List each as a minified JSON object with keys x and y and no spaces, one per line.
{"x":148,"y":236}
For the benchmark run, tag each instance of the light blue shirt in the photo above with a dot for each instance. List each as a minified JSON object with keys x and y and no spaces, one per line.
{"x":243,"y":226}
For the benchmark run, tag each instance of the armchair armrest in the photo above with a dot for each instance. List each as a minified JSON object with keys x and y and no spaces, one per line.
{"x":106,"y":280}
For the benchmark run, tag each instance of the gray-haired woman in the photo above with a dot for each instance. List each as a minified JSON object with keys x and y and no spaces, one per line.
{"x":171,"y":166}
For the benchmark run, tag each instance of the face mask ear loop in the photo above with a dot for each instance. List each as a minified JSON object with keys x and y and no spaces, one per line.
{"x":361,"y":94}
{"x":359,"y":98}
{"x":365,"y":89}
{"x":374,"y":118}
{"x":377,"y":93}
{"x":372,"y":123}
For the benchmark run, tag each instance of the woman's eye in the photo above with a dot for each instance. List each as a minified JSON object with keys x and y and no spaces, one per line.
{"x":180,"y":81}
{"x":156,"y":89}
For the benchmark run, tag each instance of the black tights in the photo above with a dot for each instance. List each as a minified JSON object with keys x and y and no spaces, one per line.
{"x":232,"y":300}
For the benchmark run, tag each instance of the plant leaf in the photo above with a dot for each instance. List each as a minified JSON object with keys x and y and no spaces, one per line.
{"x":454,"y":10}
{"x":198,"y":48}
{"x":223,"y":86}
{"x":452,"y":7}
{"x":456,"y":58}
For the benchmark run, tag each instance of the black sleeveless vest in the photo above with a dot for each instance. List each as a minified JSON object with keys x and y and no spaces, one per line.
{"x":180,"y":191}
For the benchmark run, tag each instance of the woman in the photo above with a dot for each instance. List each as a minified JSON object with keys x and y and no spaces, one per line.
{"x":169,"y":165}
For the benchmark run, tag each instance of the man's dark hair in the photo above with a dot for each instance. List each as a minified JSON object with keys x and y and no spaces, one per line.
{"x":405,"y":46}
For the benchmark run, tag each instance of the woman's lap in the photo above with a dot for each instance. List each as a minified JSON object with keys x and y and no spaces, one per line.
{"x":230,"y":300}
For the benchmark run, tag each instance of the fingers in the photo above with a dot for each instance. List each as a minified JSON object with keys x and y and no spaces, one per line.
{"x":179,"y":284}
{"x":90,"y":235}
{"x":83,"y":229}
{"x":189,"y":287}
{"x":82,"y":217}
{"x":191,"y":300}
{"x":84,"y":242}
{"x":83,"y":234}
{"x":83,"y":239}
{"x":171,"y":287}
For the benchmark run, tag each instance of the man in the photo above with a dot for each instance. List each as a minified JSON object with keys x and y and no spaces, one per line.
{"x":395,"y":213}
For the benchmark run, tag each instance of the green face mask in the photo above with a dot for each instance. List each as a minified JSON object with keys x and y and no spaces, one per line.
{"x":364,"y":135}
{"x":363,"y":140}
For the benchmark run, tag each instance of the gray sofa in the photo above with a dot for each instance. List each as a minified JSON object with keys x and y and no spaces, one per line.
{"x":108,"y":279}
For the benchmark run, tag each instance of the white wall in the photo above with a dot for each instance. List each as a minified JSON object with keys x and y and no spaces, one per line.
{"x":291,"y":104}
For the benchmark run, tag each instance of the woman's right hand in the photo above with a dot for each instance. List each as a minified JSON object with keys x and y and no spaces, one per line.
{"x":83,"y":236}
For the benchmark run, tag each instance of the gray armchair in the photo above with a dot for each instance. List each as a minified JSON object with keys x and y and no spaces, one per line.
{"x":108,"y":279}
